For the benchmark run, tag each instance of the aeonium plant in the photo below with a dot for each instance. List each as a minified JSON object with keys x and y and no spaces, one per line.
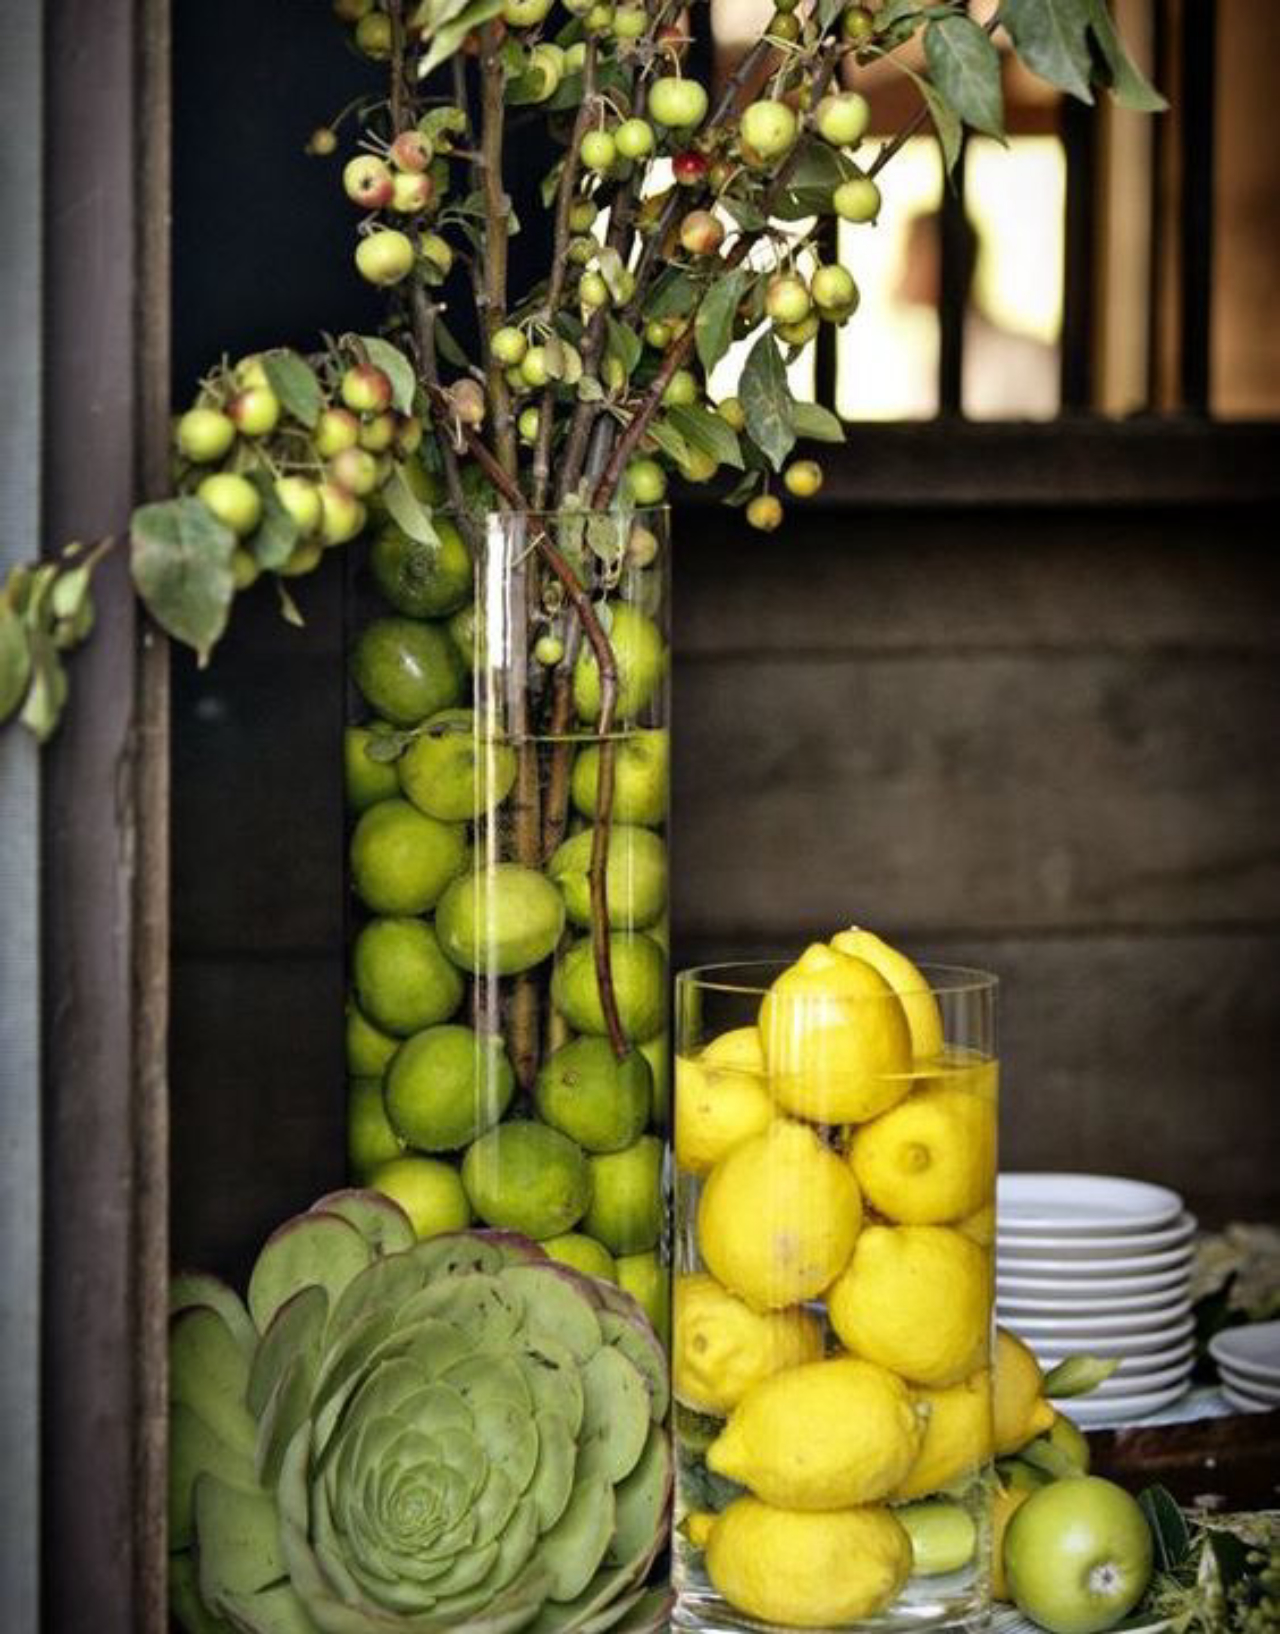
{"x":679,"y":224}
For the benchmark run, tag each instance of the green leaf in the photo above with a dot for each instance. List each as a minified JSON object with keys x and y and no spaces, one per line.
{"x":1169,"y":1530}
{"x":669,"y":440}
{"x":605,"y":537}
{"x":181,"y":563}
{"x":441,"y":123}
{"x":816,"y":424}
{"x":549,"y":186}
{"x":613,"y":270}
{"x":673,"y":296}
{"x":713,"y":326}
{"x":446,"y":39}
{"x":766,"y":401}
{"x":1051,"y":37}
{"x":397,"y":368}
{"x":1126,"y":82}
{"x":568,"y":94}
{"x":744,"y":213}
{"x":48,"y":690}
{"x":448,"y":347}
{"x":590,"y":390}
{"x":702,"y":428}
{"x":407,"y":511}
{"x":624,"y":344}
{"x":1077,"y":1375}
{"x":272,"y":541}
{"x":965,"y":69}
{"x":817,"y":172}
{"x":946,"y":122}
{"x":289,"y":609}
{"x":15,"y":660}
{"x":294,"y":382}
{"x":1043,"y":1455}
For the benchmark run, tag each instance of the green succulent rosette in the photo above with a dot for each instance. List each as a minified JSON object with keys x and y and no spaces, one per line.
{"x":400,"y":1437}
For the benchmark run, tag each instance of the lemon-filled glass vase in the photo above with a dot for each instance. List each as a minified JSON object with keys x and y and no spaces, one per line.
{"x":835,"y":1142}
{"x":507,"y":776}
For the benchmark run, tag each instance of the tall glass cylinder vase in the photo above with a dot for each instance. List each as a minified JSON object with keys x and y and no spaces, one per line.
{"x":507,"y":772}
{"x":835,"y":1212}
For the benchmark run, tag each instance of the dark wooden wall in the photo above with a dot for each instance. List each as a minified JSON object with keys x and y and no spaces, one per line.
{"x":1044,"y":742}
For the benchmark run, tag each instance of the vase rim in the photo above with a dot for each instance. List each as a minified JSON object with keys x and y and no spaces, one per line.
{"x":756,"y":976}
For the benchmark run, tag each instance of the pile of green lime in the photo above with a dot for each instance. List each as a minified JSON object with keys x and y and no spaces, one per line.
{"x":449,"y":921}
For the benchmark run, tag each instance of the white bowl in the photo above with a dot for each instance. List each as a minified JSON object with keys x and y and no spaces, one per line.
{"x":1117,"y":1410}
{"x":1082,"y":1203}
{"x":1253,"y":1350}
{"x":1088,"y":1289}
{"x":1266,"y":1393}
{"x":1086,"y":1325}
{"x":1244,"y":1403}
{"x":1013,"y":1262}
{"x":1016,"y":1305}
{"x":1101,"y":1245}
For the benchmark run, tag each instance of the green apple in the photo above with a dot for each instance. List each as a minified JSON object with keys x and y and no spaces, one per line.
{"x":787,"y":299}
{"x":769,"y":128}
{"x":446,"y":1086}
{"x":367,"y":780}
{"x":500,"y":920}
{"x":645,"y":482}
{"x":301,"y":499}
{"x":641,"y":658}
{"x":233,"y":499}
{"x":803,"y":478}
{"x":508,"y":344}
{"x":639,"y":971}
{"x":401,"y":859}
{"x":635,"y":876}
{"x":403,"y":981}
{"x":842,"y":118}
{"x":833,"y":288}
{"x":765,"y":513}
{"x":681,"y":390}
{"x":371,"y":1141}
{"x":407,"y":670}
{"x":384,"y":257}
{"x":599,"y":150}
{"x":640,"y":779}
{"x":449,"y":773}
{"x":857,"y":200}
{"x":205,"y":435}
{"x":648,"y":1281}
{"x":680,"y":104}
{"x":1078,"y":1555}
{"x":625,"y":1212}
{"x":367,"y":181}
{"x":634,"y":138}
{"x":336,"y":429}
{"x":420,"y":579}
{"x":342,"y":516}
{"x":524,"y":13}
{"x":587,"y":1093}
{"x":584,"y":1254}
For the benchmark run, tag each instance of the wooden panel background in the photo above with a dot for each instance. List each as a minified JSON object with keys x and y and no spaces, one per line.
{"x":1044,"y":742}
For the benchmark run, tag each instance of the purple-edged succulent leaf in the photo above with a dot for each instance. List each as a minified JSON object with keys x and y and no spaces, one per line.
{"x":320,"y":1249}
{"x":380,"y":1220}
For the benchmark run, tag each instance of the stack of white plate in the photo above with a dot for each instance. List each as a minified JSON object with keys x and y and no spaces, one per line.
{"x":1092,"y":1264}
{"x":1249,"y":1365}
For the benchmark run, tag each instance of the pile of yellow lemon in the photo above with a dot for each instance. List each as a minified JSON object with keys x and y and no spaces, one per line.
{"x":846,"y":1162}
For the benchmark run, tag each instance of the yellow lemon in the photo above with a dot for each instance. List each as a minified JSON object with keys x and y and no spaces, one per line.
{"x":916,"y":1299}
{"x":737,"y":1051}
{"x":715,"y":1111}
{"x":836,"y":1039}
{"x":806,"y":1570}
{"x":823,"y":1436}
{"x":1005,"y":1503}
{"x":778,"y":1217}
{"x":980,"y":1226}
{"x":723,"y":1347}
{"x":957,"y":1435}
{"x":1021,"y":1412}
{"x":923,"y":1015}
{"x":930,"y":1159}
{"x":697,"y":1525}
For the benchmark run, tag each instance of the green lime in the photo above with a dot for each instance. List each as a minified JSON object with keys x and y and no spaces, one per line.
{"x":430,"y":1192}
{"x":407,"y":670}
{"x":585,"y":1254}
{"x":368,"y":1047}
{"x":657,"y":1052}
{"x":635,"y":876}
{"x":419,"y":579}
{"x":500,"y":920}
{"x":585,"y":1092}
{"x":371,"y":1141}
{"x":451,"y":774}
{"x":641,"y":658}
{"x":367,"y":780}
{"x":446,"y":1086}
{"x":403,"y":981}
{"x":639,"y":985}
{"x":639,"y":779}
{"x":649,"y":1284}
{"x":526,"y":1177}
{"x":401,"y":860}
{"x":626,"y":1197}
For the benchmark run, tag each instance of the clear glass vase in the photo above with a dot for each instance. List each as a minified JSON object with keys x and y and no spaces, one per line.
{"x":833,"y":1311}
{"x":507,"y":775}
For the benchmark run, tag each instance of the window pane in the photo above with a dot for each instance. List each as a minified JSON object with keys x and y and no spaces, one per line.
{"x":887,"y":354}
{"x":1015,"y":197}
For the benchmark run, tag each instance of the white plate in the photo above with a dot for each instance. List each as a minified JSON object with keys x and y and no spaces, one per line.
{"x":1117,"y":1410}
{"x":1248,"y":1404}
{"x":1254,"y":1349}
{"x":1089,"y":1289}
{"x":1137,"y":1368}
{"x":1085,"y":1325}
{"x":1168,"y":1259}
{"x":1129,"y":1344}
{"x":1097,"y":1246}
{"x":1128,"y":1384}
{"x":1016,"y":1305}
{"x":1268,"y":1395}
{"x":1083,"y":1203}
